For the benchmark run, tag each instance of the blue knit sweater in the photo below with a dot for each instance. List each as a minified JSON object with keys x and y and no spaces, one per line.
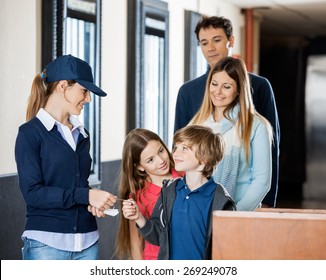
{"x":53,"y":179}
{"x":191,"y":95}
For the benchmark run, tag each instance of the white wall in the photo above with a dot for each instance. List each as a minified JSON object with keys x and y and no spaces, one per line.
{"x":114,"y":78}
{"x":20,"y":49}
{"x":20,"y":61}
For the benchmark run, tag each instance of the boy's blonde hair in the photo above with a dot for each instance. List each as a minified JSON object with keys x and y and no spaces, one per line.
{"x":208,"y":147}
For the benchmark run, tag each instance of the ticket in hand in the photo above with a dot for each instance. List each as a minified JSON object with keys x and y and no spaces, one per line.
{"x":111,"y":212}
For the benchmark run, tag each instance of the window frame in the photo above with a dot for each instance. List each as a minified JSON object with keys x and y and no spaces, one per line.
{"x":54,"y":13}
{"x":191,"y":45}
{"x":138,"y":10}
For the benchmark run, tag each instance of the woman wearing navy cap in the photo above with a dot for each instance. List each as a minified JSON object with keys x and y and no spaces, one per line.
{"x":53,"y":163}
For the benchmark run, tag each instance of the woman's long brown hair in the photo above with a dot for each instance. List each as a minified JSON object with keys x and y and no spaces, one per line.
{"x":236,"y":69}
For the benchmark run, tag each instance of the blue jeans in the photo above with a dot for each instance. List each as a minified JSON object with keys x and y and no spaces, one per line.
{"x":35,"y":250}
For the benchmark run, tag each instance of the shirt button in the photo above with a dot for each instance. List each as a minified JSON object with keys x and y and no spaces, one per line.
{"x":187,"y":197}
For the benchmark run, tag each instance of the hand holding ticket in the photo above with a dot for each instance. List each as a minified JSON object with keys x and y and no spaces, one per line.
{"x":112,"y":211}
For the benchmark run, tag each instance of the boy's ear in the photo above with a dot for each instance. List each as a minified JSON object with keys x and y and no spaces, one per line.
{"x":202,"y":161}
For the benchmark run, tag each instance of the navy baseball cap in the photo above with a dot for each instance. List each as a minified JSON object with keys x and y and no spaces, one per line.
{"x":68,"y":67}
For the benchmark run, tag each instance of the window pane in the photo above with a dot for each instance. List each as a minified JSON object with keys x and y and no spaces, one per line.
{"x":154,"y":51}
{"x":80,"y":42}
{"x":154,"y":90}
{"x":73,"y":27}
{"x":201,"y":63}
{"x":148,"y":34}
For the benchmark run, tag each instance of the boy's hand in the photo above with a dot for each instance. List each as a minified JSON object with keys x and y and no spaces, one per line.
{"x":131,"y":211}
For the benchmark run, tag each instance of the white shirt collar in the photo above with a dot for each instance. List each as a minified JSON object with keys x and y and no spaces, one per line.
{"x":48,"y":121}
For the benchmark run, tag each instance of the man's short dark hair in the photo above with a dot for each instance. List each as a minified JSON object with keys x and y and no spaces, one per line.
{"x":215,"y":22}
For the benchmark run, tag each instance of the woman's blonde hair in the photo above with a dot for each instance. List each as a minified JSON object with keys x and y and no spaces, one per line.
{"x":236,"y":70}
{"x":132,"y":180}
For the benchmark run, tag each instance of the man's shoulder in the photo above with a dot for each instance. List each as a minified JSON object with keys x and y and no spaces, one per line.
{"x":258,"y":80}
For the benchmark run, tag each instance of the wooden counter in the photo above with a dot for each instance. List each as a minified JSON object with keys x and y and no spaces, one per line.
{"x":270,"y":234}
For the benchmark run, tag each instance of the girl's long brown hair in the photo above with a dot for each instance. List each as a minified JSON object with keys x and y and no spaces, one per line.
{"x":132,"y":180}
{"x":236,"y":69}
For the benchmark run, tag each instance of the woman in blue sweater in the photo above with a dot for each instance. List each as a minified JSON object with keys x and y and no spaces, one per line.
{"x":227,"y":108}
{"x":53,"y":163}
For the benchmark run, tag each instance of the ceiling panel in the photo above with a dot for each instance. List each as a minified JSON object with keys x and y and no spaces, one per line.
{"x":289,"y":17}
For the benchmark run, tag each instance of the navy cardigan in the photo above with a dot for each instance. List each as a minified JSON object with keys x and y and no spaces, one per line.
{"x":191,"y":95}
{"x":53,"y":179}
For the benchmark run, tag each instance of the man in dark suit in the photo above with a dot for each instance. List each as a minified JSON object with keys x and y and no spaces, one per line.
{"x":215,"y":37}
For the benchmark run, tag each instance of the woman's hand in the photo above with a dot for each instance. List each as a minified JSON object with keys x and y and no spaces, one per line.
{"x":101,"y":199}
{"x":96,"y":212}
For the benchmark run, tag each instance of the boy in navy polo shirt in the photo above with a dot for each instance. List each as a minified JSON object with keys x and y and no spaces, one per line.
{"x":181,"y":223}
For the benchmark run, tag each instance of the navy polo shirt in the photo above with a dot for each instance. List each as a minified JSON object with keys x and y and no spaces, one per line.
{"x":190,"y":215}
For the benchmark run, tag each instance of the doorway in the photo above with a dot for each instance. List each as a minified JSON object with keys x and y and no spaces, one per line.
{"x":315,"y":102}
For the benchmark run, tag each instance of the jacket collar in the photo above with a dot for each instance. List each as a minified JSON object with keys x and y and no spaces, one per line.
{"x":48,"y":121}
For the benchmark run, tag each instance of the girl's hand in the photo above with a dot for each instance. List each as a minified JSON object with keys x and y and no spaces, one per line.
{"x":131,"y":211}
